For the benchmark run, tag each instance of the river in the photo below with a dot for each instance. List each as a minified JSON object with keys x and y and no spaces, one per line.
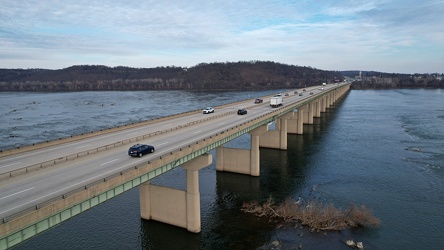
{"x":380,"y":148}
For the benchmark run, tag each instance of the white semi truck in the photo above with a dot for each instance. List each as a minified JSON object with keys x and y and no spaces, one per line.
{"x":276,"y":101}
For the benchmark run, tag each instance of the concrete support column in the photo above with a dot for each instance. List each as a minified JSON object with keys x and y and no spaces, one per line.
{"x":220,"y":158}
{"x":254,"y":156}
{"x":254,"y":149}
{"x":144,"y":197}
{"x":300,"y":122}
{"x":323,"y":103}
{"x":305,"y":108}
{"x":175,"y":207}
{"x":192,"y":194}
{"x":318,"y":108}
{"x":283,"y":134}
{"x":193,"y":201}
{"x":327,"y":101}
{"x":244,"y":161}
{"x":311,"y":112}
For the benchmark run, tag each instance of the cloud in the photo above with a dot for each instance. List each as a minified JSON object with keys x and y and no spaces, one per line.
{"x":351,"y":34}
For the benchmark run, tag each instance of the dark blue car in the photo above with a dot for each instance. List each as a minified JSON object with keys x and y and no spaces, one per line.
{"x":140,"y":149}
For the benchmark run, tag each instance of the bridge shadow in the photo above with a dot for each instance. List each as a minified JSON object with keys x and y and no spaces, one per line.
{"x":158,"y":235}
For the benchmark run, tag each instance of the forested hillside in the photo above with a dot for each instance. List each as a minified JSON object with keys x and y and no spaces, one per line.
{"x":380,"y":80}
{"x":252,"y":75}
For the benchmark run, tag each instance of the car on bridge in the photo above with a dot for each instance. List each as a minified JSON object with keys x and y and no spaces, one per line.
{"x":208,"y":110}
{"x":242,"y":112}
{"x":140,"y":150}
{"x":258,"y":100}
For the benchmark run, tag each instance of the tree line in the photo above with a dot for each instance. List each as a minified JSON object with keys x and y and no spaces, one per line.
{"x":381,"y":80}
{"x":251,"y":75}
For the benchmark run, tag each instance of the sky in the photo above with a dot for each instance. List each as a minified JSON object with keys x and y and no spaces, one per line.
{"x":395,"y":36}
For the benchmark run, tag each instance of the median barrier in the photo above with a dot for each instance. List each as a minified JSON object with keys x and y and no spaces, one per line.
{"x":71,"y":157}
{"x":46,"y":164}
{"x":58,"y":160}
{"x":100,"y":149}
{"x":81,"y":154}
{"x":103,"y":148}
{"x":33,"y":168}
{"x":77,"y":196}
{"x":17,"y":150}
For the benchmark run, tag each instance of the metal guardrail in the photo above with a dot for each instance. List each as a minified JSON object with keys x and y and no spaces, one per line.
{"x":66,"y":195}
{"x":54,"y":142}
{"x":53,"y":162}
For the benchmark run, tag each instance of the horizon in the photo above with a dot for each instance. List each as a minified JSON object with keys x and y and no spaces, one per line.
{"x":357,"y":70}
{"x":399,"y":36}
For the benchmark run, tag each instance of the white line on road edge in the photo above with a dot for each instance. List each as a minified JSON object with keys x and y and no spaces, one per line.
{"x":10,"y":165}
{"x":2,"y":212}
{"x":16,"y":193}
{"x":108,"y":162}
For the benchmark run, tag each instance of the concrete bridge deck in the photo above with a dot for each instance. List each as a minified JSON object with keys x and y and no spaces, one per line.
{"x":46,"y":184}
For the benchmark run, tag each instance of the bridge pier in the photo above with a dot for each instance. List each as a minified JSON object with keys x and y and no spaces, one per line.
{"x":242,"y":161}
{"x":296,"y":121}
{"x":317,"y":111}
{"x":175,"y":207}
{"x":276,"y":138}
{"x":323,"y":101}
{"x":308,"y":113}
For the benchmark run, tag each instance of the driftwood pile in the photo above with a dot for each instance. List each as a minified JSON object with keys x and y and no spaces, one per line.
{"x":314,"y":215}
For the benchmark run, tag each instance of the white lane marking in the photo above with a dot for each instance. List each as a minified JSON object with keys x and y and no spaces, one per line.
{"x":125,"y":166}
{"x":197,"y":132}
{"x":84,"y":146}
{"x":162,"y":143}
{"x":10,"y":165}
{"x":108,"y":162}
{"x":16,"y":193}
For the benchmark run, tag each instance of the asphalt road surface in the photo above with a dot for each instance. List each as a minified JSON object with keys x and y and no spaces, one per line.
{"x":27,"y":190}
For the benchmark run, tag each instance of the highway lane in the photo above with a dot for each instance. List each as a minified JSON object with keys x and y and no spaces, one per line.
{"x":19,"y":193}
{"x":9,"y":163}
{"x":26,"y":159}
{"x":75,"y":174}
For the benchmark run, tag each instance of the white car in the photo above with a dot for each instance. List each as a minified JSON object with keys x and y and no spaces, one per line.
{"x":208,"y":110}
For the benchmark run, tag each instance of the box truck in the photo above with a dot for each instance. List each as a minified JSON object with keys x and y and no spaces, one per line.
{"x":276,"y":101}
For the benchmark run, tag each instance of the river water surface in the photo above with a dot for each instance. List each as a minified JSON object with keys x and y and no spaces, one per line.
{"x":383,"y":149}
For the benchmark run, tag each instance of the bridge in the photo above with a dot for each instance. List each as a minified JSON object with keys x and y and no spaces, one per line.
{"x":45,"y":184}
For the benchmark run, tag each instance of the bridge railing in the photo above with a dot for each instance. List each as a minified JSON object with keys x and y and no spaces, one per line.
{"x":111,"y":177}
{"x":16,"y":150}
{"x":52,"y":162}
